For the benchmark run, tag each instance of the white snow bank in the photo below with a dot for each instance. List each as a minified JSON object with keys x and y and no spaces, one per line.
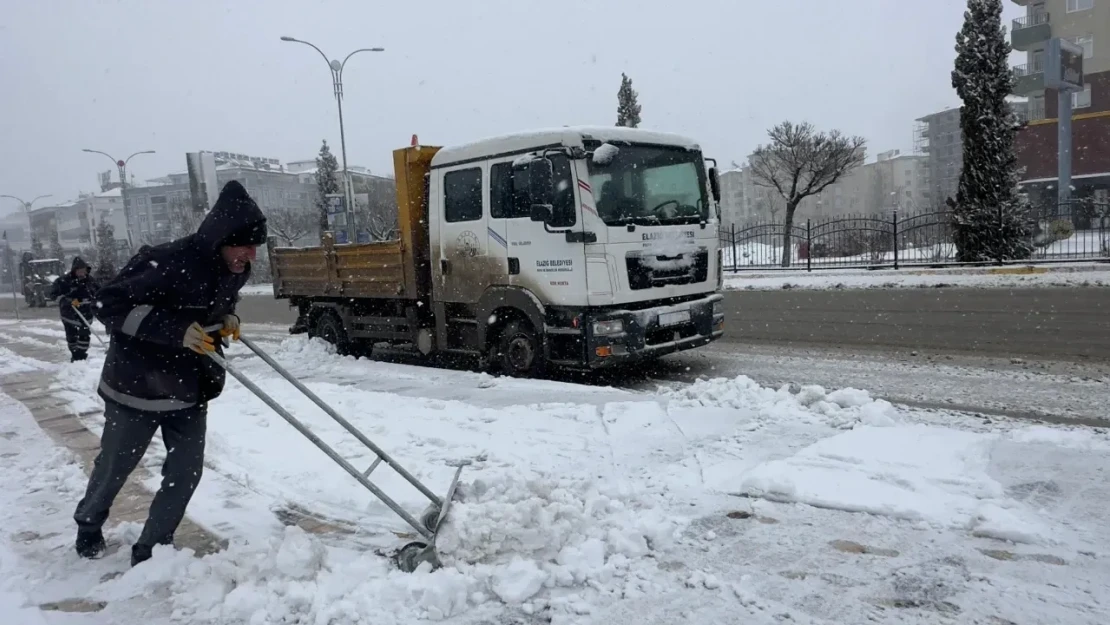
{"x":530,"y":533}
{"x":11,"y":363}
{"x":930,"y":474}
{"x":844,"y":408}
{"x":508,"y":539}
{"x":1059,"y":437}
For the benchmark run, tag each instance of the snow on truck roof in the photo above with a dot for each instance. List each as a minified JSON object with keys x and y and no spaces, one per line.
{"x":570,"y":135}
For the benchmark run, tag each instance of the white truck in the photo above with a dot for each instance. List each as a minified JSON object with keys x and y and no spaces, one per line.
{"x":571,"y":247}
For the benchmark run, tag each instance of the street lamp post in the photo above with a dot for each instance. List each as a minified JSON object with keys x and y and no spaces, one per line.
{"x":336,"y":68}
{"x":122,"y":165}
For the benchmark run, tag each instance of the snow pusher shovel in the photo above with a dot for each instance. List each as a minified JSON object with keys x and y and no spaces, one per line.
{"x":88,"y":325}
{"x":411,"y":555}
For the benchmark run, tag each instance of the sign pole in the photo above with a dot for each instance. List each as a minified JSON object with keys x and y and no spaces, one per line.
{"x":11,"y":272}
{"x":1063,"y":141}
{"x":1064,"y":73}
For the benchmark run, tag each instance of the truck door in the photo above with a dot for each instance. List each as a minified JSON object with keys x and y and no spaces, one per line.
{"x":464,"y":264}
{"x":541,"y":258}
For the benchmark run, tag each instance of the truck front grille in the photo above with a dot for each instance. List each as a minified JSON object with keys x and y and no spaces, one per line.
{"x":647,"y":271}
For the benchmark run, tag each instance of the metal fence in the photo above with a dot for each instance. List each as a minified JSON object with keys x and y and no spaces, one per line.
{"x":1078,"y":230}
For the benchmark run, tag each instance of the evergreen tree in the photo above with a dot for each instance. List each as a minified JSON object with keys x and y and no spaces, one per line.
{"x":327,"y":181}
{"x":989,"y":219}
{"x":56,"y":250}
{"x":36,"y":248}
{"x":106,"y":246}
{"x":628,"y":106}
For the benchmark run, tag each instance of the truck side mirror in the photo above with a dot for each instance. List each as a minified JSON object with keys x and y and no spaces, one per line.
{"x":541,"y":183}
{"x":715,"y":184}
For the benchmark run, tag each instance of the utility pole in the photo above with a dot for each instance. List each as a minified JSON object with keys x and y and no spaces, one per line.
{"x":122,"y":165}
{"x":336,"y":68}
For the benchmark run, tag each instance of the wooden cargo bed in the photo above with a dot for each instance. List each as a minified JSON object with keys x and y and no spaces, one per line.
{"x":387,"y":269}
{"x":363,"y":270}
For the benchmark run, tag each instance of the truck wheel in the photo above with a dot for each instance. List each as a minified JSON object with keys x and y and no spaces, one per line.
{"x":329,"y":328}
{"x":519,"y":351}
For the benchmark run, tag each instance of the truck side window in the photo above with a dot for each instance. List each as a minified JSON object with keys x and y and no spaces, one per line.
{"x":462,"y":195}
{"x":509,"y":197}
{"x":501,"y":192}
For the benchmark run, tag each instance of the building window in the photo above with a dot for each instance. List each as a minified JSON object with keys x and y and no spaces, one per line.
{"x":1081,"y":99}
{"x":1088,"y":45}
{"x":462,"y":195}
{"x":1080,"y":5}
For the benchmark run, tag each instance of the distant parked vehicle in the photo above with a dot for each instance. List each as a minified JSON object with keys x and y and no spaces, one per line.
{"x":38,"y":276}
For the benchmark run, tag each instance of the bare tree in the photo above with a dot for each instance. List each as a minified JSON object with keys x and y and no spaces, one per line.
{"x":800,"y":162}
{"x":291,"y":224}
{"x":381,"y":228}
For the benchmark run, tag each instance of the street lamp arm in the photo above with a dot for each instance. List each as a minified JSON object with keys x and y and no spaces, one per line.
{"x":128,"y":159}
{"x":344,"y":63}
{"x":110,"y":157}
{"x":310,"y":45}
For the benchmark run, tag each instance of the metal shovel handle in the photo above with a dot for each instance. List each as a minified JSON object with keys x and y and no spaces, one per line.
{"x":438,"y":501}
{"x":88,"y":325}
{"x":300,"y":427}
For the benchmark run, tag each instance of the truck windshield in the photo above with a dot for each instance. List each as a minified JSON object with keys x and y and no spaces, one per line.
{"x":648,"y":185}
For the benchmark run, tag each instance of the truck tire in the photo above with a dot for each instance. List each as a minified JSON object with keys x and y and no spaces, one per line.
{"x":519,"y":351}
{"x":330,"y":328}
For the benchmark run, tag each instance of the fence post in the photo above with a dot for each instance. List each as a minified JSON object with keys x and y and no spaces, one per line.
{"x":809,"y":247}
{"x":894,"y":222}
{"x":735,"y":258}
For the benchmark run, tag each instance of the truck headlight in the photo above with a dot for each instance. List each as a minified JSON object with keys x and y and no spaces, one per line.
{"x":718,"y":308}
{"x":609,"y":326}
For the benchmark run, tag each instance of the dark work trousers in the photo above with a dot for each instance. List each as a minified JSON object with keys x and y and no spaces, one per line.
{"x":127,"y":433}
{"x":77,"y":338}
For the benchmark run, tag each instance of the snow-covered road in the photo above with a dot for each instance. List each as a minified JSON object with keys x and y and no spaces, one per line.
{"x":717,"y":501}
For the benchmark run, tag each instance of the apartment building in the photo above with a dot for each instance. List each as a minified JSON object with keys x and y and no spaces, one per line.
{"x":1086,"y":23}
{"x":276,"y":187}
{"x":938,"y":137}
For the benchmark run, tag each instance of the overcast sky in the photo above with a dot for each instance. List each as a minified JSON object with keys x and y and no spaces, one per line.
{"x":127,"y":75}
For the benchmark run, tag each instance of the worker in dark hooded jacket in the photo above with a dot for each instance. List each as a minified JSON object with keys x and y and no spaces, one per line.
{"x":161,"y":310}
{"x":74,"y":292}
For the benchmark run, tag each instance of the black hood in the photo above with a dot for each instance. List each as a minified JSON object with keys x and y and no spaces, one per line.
{"x":78,"y":263}
{"x":235,"y":219}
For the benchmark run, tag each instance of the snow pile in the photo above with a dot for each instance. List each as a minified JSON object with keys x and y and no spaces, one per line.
{"x":1085,"y":438}
{"x":918,"y":473}
{"x":290,"y":578}
{"x":844,"y":408}
{"x":509,"y":539}
{"x":520,"y":535}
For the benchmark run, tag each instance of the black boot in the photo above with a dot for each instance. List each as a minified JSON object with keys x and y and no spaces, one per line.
{"x":140,"y":553}
{"x":90,"y":544}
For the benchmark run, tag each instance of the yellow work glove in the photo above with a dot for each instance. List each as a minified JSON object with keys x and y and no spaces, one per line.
{"x":231,"y":327}
{"x":198,"y":340}
{"x":76,"y":303}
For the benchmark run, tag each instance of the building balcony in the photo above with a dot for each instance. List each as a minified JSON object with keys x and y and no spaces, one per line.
{"x":1031,"y":31}
{"x":1034,"y":111}
{"x":1028,"y":79}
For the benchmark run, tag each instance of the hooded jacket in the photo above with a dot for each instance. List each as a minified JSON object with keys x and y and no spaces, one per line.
{"x":69,"y":287}
{"x":164,"y":289}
